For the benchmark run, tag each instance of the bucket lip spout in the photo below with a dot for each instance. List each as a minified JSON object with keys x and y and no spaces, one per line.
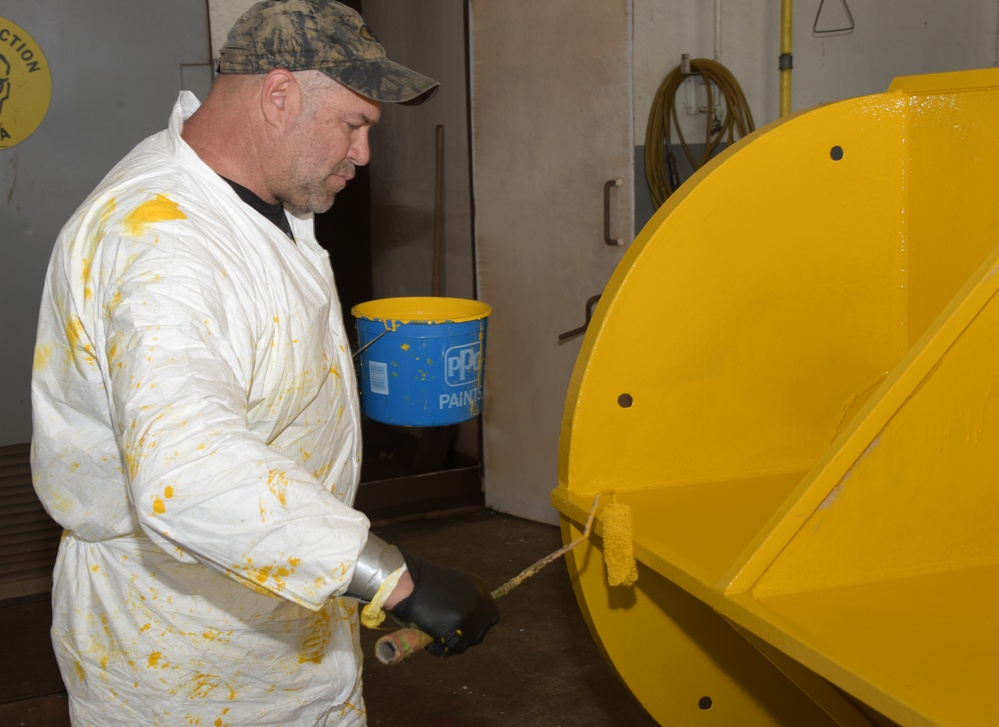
{"x":426,"y":309}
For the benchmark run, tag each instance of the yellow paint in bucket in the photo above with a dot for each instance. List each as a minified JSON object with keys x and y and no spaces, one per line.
{"x":422,"y":310}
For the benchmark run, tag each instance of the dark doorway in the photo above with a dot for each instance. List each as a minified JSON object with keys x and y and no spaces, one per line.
{"x":405,"y":470}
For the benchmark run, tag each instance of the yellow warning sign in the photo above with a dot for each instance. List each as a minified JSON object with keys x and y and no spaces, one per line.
{"x":25,"y":84}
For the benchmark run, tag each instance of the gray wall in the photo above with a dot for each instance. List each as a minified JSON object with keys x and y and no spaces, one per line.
{"x":430,"y":37}
{"x":113,"y":83}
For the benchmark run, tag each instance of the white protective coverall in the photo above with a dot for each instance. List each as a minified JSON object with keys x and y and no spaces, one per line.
{"x":197,"y":434}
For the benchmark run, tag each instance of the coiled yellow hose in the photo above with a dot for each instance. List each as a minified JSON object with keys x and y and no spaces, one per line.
{"x":660,"y":163}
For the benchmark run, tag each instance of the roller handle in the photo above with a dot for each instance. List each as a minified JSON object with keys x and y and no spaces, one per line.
{"x":403,"y":643}
{"x":399,"y":645}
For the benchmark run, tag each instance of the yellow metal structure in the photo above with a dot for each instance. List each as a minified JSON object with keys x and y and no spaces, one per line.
{"x":793,"y":380}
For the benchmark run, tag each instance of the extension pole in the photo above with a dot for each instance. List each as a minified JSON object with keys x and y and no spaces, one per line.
{"x":785,"y":57}
{"x":437,"y":262}
{"x":718,"y":35}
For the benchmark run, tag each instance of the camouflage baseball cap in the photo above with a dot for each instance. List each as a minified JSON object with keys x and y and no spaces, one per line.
{"x":321,"y":35}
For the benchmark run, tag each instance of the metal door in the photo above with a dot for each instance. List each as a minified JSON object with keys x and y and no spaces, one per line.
{"x":551,"y":97}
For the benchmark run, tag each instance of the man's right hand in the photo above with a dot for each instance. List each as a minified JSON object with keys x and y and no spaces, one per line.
{"x":450,"y":605}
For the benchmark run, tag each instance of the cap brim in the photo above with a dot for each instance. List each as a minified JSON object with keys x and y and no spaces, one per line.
{"x":383,"y":80}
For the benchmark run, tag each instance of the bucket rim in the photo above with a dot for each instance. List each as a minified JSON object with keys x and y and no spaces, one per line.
{"x":422,"y":309}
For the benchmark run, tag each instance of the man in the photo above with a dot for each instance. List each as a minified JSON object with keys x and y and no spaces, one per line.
{"x":196,"y":424}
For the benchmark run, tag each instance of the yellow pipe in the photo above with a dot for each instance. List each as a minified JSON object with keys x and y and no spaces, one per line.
{"x":785,"y":57}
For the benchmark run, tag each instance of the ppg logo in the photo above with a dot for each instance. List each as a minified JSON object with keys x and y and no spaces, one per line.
{"x":461,"y":364}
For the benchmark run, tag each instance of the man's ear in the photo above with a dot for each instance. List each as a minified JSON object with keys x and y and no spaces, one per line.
{"x":280,"y":98}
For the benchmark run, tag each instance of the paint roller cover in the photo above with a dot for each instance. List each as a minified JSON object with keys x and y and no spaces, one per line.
{"x":618,"y":554}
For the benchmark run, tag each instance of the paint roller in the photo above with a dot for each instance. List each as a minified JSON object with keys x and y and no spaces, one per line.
{"x":619,"y":559}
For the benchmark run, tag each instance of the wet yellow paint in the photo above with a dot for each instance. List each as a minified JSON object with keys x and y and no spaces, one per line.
{"x":114,"y":302}
{"x":74,"y":334}
{"x":159,"y":209}
{"x":619,"y":557}
{"x":159,"y":506}
{"x":43,"y":353}
{"x":277,"y":483}
{"x":316,"y":639}
{"x":132,"y":463}
{"x":85,"y":277}
{"x":108,"y":210}
{"x":260,"y":576}
{"x":394,"y":311}
{"x":348,"y":708}
{"x":203,"y":685}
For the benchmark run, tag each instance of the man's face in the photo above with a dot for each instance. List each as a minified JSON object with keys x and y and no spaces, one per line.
{"x":322,"y":148}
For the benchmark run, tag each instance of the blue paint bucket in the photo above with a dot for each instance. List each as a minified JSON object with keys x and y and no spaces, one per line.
{"x":421,"y":360}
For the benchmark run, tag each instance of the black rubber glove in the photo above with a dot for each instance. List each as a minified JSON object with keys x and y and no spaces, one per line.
{"x":451,"y":606}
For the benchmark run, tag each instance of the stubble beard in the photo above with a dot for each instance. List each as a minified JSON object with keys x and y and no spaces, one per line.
{"x":314,"y":195}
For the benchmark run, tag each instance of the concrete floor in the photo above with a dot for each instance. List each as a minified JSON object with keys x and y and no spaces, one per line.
{"x":538,"y":667}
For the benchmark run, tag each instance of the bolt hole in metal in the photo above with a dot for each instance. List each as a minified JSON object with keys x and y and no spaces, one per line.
{"x":836,"y":153}
{"x":625,"y":401}
{"x":704,"y":703}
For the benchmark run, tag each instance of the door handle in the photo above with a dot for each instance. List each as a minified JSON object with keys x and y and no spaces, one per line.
{"x":610,"y":184}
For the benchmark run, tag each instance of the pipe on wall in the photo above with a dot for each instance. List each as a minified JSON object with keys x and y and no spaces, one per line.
{"x":718,"y":30}
{"x":785,"y":56}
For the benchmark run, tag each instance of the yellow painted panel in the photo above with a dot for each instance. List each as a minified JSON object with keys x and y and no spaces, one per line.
{"x":922,"y":496}
{"x":921,"y":650}
{"x":682,"y":661}
{"x":753,"y":312}
{"x":952,"y":224}
{"x":792,"y":380}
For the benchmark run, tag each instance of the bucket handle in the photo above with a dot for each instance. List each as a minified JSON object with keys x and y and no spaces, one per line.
{"x":363,"y":348}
